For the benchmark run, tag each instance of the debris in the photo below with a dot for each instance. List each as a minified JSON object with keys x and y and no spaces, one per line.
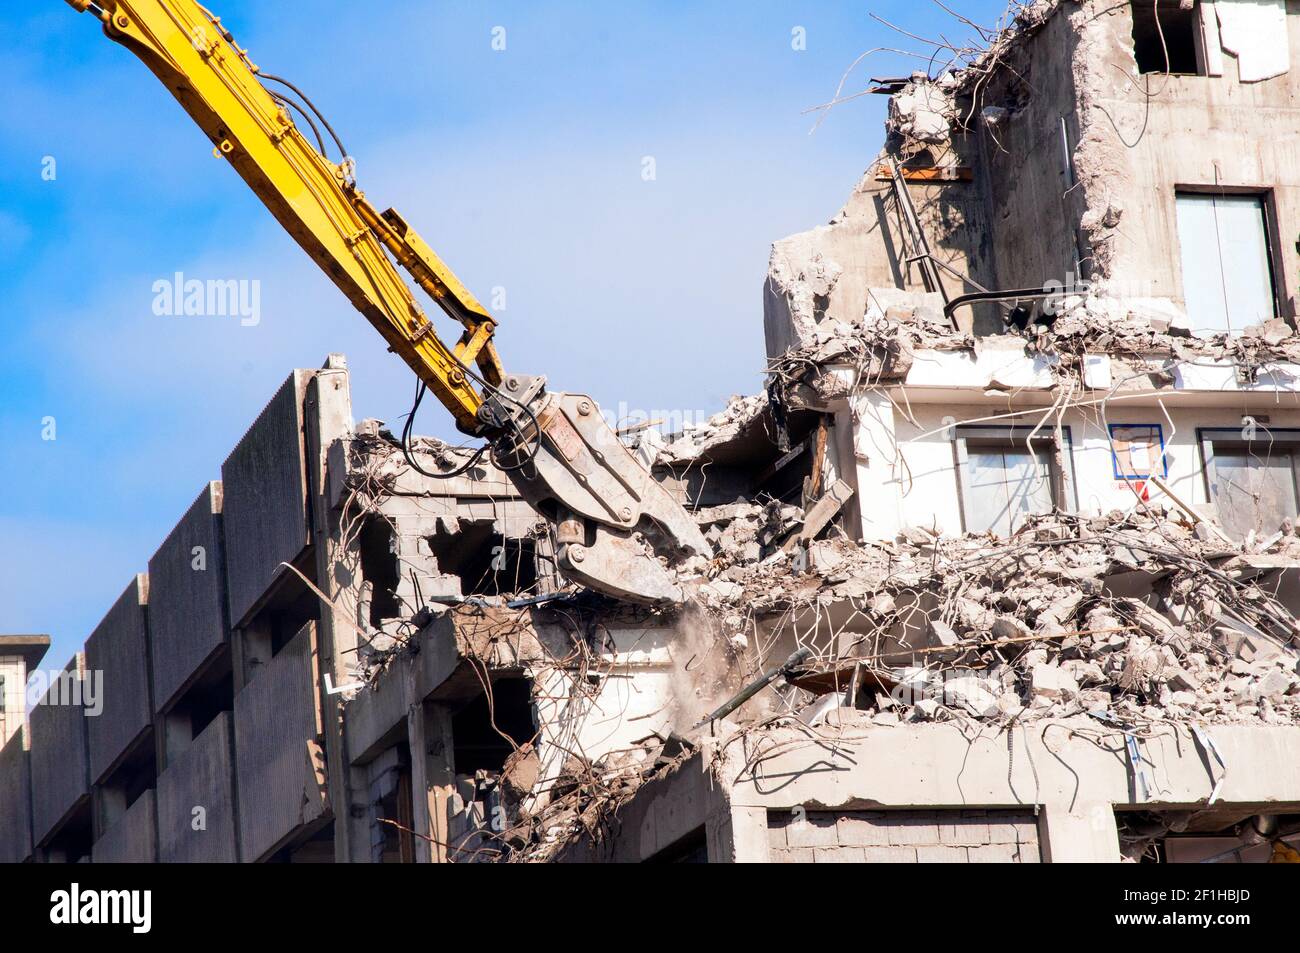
{"x":822,"y":512}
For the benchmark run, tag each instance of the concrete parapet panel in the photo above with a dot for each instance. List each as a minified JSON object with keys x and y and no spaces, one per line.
{"x":119,"y":648}
{"x":134,"y":838}
{"x":202,"y":777}
{"x":15,"y":802}
{"x":187,"y":597}
{"x":264,"y":486}
{"x":60,"y":765}
{"x":280,"y":769}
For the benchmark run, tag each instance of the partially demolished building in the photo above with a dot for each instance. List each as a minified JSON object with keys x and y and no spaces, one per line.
{"x":1006,"y":567}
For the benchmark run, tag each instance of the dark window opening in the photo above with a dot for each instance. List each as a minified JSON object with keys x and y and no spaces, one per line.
{"x":287,"y":620}
{"x":1166,"y":38}
{"x":478,"y":746}
{"x":487,"y":563}
{"x":136,"y":774}
{"x":209,"y":696}
{"x":691,"y":849}
{"x":73,"y":842}
{"x":380,"y":567}
{"x":1216,"y":836}
{"x":394,"y":811}
{"x":317,"y":848}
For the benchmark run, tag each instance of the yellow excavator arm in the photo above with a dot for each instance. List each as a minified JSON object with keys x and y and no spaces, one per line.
{"x":315,"y":199}
{"x":610,"y":518}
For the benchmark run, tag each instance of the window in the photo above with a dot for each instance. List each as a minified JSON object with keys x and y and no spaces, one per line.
{"x":1005,"y":476}
{"x":1250,"y":476}
{"x":1167,"y":38}
{"x":1227,"y":265}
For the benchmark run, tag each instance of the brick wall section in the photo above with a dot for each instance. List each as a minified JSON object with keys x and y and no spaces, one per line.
{"x":903,"y":837}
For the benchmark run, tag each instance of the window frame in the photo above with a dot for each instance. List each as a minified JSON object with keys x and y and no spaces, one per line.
{"x":1272,"y":237}
{"x":1063,"y":487}
{"x":1230,"y":438}
{"x":1205,"y":65}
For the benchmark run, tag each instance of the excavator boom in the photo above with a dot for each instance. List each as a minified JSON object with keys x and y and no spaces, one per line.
{"x":611,"y":519}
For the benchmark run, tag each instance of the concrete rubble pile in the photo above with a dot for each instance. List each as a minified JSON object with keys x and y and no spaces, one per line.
{"x":1032,"y":626}
{"x":695,"y":439}
{"x":1155,"y":331}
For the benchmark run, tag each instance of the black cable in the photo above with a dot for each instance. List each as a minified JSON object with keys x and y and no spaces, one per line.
{"x":312,"y":106}
{"x":286,"y":101}
{"x":407,"y":429}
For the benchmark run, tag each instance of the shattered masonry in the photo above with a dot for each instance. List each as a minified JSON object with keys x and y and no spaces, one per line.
{"x":1020,"y":571}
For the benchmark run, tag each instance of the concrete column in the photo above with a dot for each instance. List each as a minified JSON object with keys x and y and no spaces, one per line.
{"x":867,"y":454}
{"x":327,"y":415}
{"x":417,"y":741}
{"x":175,"y":735}
{"x":251,"y":651}
{"x":1085,"y":834}
{"x":433,"y":778}
{"x":109,"y":805}
{"x":746,"y":839}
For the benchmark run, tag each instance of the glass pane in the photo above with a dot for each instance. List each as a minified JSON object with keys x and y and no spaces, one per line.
{"x":1004,"y":486}
{"x":1224,"y":242}
{"x":1244,"y":241}
{"x":1029,"y":484}
{"x":1254,"y":491}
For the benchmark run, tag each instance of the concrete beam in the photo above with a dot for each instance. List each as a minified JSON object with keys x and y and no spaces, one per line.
{"x":1086,"y":833}
{"x":933,"y":765}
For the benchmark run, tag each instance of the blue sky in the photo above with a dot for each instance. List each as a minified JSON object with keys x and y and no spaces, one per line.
{"x":521,"y":167}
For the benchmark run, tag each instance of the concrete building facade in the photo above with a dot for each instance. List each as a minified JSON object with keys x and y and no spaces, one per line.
{"x":1007,"y":551}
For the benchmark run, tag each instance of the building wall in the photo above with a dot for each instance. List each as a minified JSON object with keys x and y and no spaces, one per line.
{"x":60,"y":762}
{"x":15,"y":801}
{"x":196,"y":800}
{"x":279,"y":760}
{"x":927,"y":469}
{"x":902,"y":837}
{"x":1075,"y":183}
{"x":1197,"y":131}
{"x":13,"y":703}
{"x":133,"y":838}
{"x":898,"y":449}
{"x":1022,"y":165}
